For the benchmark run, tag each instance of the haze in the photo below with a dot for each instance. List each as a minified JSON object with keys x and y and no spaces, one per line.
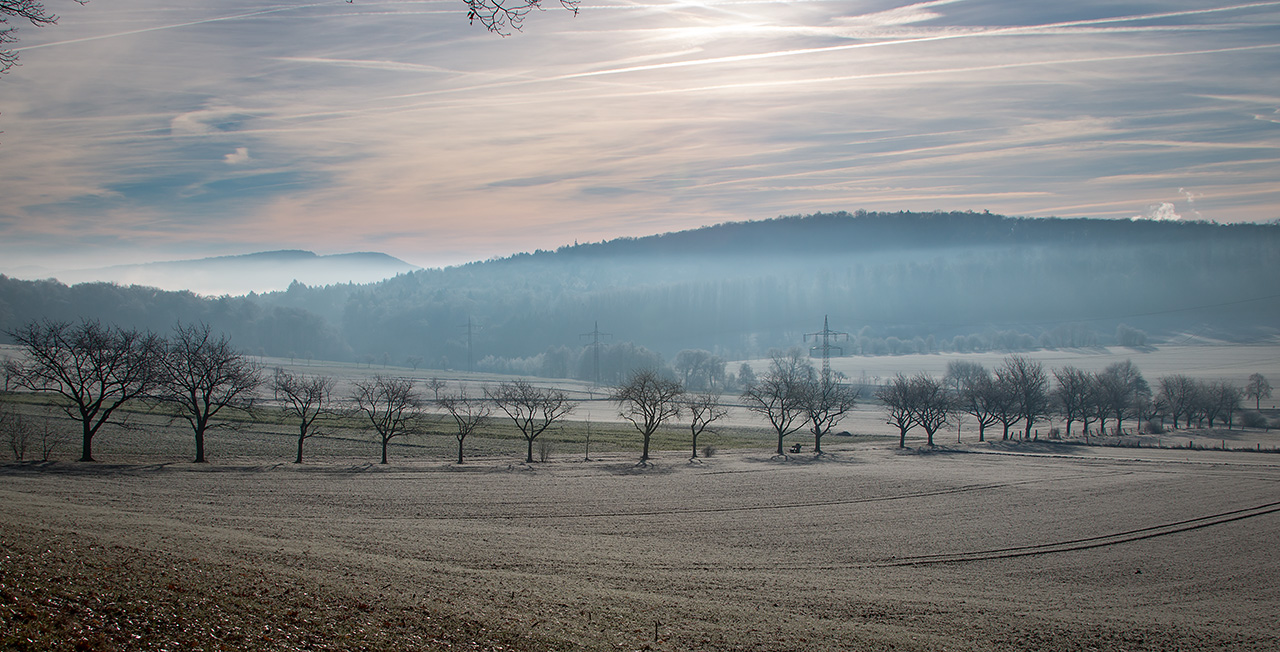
{"x":138,"y":130}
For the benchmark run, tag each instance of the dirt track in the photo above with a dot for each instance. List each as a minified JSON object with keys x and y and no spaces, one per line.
{"x":1068,"y":548}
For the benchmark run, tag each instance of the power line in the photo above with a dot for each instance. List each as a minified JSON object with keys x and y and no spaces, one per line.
{"x":826,"y":347}
{"x":595,"y":348}
{"x":471,"y":367}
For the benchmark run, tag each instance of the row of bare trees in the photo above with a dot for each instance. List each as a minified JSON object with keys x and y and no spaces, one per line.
{"x":1020,"y":393}
{"x":96,"y":369}
{"x":791,"y":395}
{"x":196,"y":375}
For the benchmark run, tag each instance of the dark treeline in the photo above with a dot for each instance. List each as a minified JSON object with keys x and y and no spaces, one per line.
{"x":897,"y":282}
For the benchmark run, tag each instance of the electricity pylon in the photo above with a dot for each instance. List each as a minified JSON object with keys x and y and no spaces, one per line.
{"x":826,"y":347}
{"x":470,"y":358}
{"x":595,"y":348}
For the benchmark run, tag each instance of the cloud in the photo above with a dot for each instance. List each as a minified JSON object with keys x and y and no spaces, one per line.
{"x":323,"y":126}
{"x":1162,"y":212}
{"x":915,"y":13}
{"x":241,"y":155}
{"x":204,"y":121}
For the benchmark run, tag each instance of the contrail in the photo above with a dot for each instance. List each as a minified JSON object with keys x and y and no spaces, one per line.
{"x":176,"y":26}
{"x":1022,"y":29}
{"x":943,"y":71}
{"x":793,"y":82}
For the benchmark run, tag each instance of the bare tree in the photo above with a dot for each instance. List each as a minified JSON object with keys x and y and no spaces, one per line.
{"x":305,"y":397}
{"x":96,"y":368}
{"x":1178,"y":393}
{"x":1029,"y":383}
{"x":1119,"y":386}
{"x":50,"y":436}
{"x":34,"y":12}
{"x":1098,"y":409}
{"x":9,"y":368}
{"x":532,"y":409}
{"x":1149,"y":409}
{"x":15,"y":431}
{"x":647,"y":400}
{"x":202,"y":375}
{"x":1257,"y":389}
{"x":390,"y":404}
{"x":467,"y":414}
{"x":1071,"y":394}
{"x":704,"y":408}
{"x":1004,"y":402}
{"x":896,"y":398}
{"x":1228,"y":398}
{"x":435,"y":385}
{"x":930,"y":402}
{"x":975,"y":392}
{"x":826,"y":404}
{"x":778,"y":395}
{"x":501,"y":17}
{"x":1218,"y":399}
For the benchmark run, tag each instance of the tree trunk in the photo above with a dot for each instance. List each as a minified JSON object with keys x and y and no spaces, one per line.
{"x":902,"y":437}
{"x":644,"y":454}
{"x":301,"y":438}
{"x":199,"y":447}
{"x":529,"y":457}
{"x":86,"y":447}
{"x":459,"y":451}
{"x":384,"y":451}
{"x":780,"y":444}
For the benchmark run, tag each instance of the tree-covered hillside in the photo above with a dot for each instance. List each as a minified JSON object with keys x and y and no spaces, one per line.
{"x":897,"y":282}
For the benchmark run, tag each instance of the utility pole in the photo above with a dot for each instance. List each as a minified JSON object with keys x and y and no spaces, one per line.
{"x":595,"y":348}
{"x":826,"y":347}
{"x":471,"y":366}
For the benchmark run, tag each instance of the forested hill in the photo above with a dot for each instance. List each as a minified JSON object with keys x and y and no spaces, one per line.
{"x":898,"y":282}
{"x":845,"y":233}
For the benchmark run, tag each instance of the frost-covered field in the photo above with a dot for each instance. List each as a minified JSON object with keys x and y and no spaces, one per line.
{"x":1018,"y":547}
{"x":1208,"y":362}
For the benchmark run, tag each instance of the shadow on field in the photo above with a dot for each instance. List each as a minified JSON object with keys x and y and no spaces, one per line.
{"x":806,"y":459}
{"x":78,"y":468}
{"x":644,"y":468}
{"x":1037,"y":447}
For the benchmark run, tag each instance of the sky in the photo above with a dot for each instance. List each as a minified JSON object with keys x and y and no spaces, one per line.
{"x":142,"y":130}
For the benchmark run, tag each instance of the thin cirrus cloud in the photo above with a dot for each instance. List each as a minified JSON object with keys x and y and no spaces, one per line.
{"x":219,"y":128}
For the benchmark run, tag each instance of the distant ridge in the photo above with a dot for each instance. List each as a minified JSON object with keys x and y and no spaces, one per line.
{"x":265,"y":271}
{"x":898,"y":283}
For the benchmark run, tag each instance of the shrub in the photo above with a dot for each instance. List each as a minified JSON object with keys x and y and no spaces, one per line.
{"x":1253,"y":419}
{"x":1153,"y":428}
{"x":544,"y":449}
{"x":708,"y":450}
